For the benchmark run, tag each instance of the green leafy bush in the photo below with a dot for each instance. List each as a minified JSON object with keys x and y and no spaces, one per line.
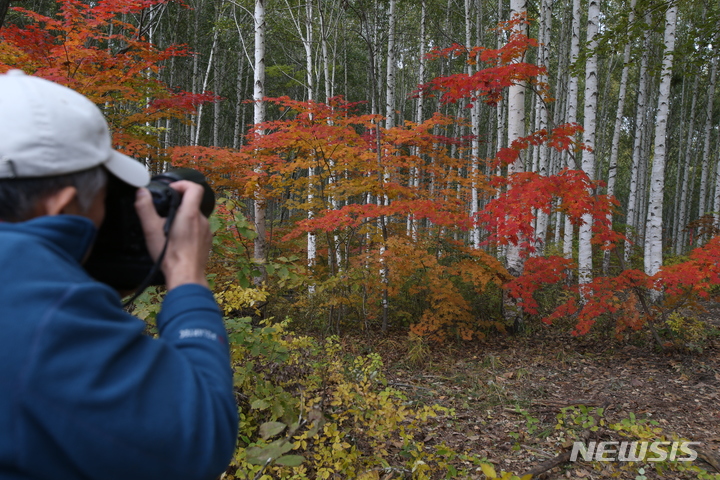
{"x":307,"y":410}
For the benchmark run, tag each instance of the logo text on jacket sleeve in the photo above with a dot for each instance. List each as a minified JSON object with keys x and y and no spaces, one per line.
{"x":198,"y":333}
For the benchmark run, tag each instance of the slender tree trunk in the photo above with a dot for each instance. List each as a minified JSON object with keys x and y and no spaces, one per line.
{"x":557,"y":160}
{"x":412,"y":223}
{"x":475,"y":134}
{"x":542,"y":115}
{"x":588,"y":156}
{"x":687,"y":152}
{"x":196,"y":140}
{"x":653,"y":247}
{"x":644,"y":175}
{"x":216,"y":79}
{"x":195,"y":63}
{"x":619,"y":116}
{"x":325,"y":54}
{"x":710,"y":108}
{"x":704,"y":179}
{"x":572,"y":100}
{"x":307,"y":42}
{"x":637,"y":148}
{"x":516,"y":129}
{"x":237,"y":130}
{"x":391,"y":68}
{"x":4,"y":5}
{"x":260,"y":203}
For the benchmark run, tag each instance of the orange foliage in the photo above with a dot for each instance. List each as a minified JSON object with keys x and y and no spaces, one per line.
{"x":116,"y":71}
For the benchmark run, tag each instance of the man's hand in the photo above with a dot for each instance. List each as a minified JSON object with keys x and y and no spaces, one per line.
{"x":190,"y":237}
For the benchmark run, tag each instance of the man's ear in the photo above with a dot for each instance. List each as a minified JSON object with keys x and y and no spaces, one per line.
{"x":61,"y":201}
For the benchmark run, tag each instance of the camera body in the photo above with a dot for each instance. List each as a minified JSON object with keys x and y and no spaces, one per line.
{"x":119,"y":256}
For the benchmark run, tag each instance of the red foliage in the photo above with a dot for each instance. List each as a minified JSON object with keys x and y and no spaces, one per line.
{"x":697,"y":276}
{"x":539,"y":271}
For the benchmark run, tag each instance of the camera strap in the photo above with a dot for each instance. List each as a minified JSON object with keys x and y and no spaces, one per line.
{"x":172,"y":211}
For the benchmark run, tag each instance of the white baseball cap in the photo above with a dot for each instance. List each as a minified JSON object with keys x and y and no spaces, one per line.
{"x":47,"y":129}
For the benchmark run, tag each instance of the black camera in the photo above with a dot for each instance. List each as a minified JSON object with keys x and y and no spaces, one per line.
{"x":120,"y":257}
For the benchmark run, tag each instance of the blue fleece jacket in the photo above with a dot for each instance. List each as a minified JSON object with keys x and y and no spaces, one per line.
{"x":83,"y":393}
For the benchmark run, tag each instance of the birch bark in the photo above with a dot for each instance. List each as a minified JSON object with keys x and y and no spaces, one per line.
{"x":542,"y":114}
{"x":704,"y":179}
{"x":516,"y":129}
{"x":588,"y":155}
{"x":617,"y":130}
{"x":391,"y":68}
{"x":260,"y":203}
{"x":572,"y":100}
{"x":475,"y":133}
{"x":653,"y":234}
{"x":637,"y":147}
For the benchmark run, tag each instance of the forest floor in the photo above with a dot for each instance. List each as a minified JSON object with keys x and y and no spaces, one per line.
{"x":517,"y":398}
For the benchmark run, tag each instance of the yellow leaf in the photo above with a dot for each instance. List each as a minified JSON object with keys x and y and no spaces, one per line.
{"x":488,"y":470}
{"x":526,"y":477}
{"x":371,"y":475}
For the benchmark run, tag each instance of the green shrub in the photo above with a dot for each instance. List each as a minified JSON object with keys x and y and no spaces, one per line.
{"x":307,"y":410}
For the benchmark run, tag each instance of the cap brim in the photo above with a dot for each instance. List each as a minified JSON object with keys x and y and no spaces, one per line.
{"x":128,"y":169}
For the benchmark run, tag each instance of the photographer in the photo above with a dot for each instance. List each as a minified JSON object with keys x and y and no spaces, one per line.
{"x":84,"y":394}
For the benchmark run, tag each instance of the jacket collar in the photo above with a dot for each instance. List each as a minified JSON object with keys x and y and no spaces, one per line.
{"x":72,"y":234}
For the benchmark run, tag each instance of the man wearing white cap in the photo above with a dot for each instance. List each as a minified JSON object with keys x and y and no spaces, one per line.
{"x":83,"y":393}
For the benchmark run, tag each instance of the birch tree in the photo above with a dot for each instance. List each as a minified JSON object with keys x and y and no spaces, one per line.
{"x":588,"y":155}
{"x":704,"y":178}
{"x":541,"y":112}
{"x":260,"y":204}
{"x":475,"y":134}
{"x":391,"y":68}
{"x":516,"y":129}
{"x":412,"y":224}
{"x":617,"y":129}
{"x":653,"y":235}
{"x":305,"y":32}
{"x":572,"y":101}
{"x":640,"y":116}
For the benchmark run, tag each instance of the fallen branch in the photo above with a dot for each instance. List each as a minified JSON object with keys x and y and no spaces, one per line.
{"x":549,"y":464}
{"x":571,"y":403}
{"x":707,"y":457}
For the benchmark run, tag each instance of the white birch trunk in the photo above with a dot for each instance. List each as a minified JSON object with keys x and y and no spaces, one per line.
{"x":557,"y":160}
{"x":391,"y":68}
{"x":196,"y":140}
{"x":615,"y":145}
{"x":710,"y":108}
{"x":325,"y":54}
{"x":704,"y":178}
{"x":542,"y":113}
{"x":475,"y":133}
{"x":653,"y":247}
{"x":639,"y":123}
{"x":307,"y":42}
{"x":588,"y":156}
{"x":572,"y":100}
{"x":412,"y":224}
{"x":516,"y":129}
{"x":260,"y":206}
